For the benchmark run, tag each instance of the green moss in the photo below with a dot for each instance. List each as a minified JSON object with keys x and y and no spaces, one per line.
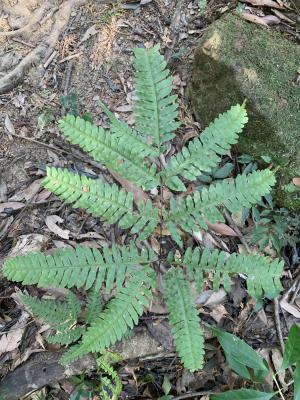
{"x":236,"y":60}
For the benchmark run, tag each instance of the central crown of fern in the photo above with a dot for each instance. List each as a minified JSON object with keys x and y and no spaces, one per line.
{"x":136,"y":155}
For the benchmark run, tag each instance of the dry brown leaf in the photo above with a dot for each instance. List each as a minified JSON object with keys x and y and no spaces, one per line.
{"x":162,"y":232}
{"x":91,"y":31}
{"x":290,"y":308}
{"x":125,"y":108}
{"x":52,"y":221}
{"x":263,"y":3}
{"x":90,"y":235}
{"x":12,"y":339}
{"x":284,"y":17}
{"x":27,"y":193}
{"x":218,"y":313}
{"x":3,"y":192}
{"x":138,"y":194}
{"x":5,"y":224}
{"x":26,"y":243}
{"x":277,"y":362}
{"x":155,"y":244}
{"x":11,"y":205}
{"x":213,"y":298}
{"x":42,"y":196}
{"x":253,"y":18}
{"x":9,"y":127}
{"x":296,"y":182}
{"x":271,"y":19}
{"x":221,"y":228}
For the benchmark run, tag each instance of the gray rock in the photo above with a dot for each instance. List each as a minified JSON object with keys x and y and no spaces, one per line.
{"x":236,"y":60}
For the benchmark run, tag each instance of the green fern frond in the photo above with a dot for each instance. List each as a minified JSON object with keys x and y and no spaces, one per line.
{"x":204,"y":153}
{"x":94,"y":305}
{"x":108,"y":202}
{"x":191,"y":211}
{"x":58,"y":313}
{"x":113,"y":383}
{"x":125,"y":159}
{"x":263,"y":273}
{"x":127,"y":136}
{"x":67,"y":336}
{"x":155,"y":109}
{"x":80,"y":267}
{"x":121,"y":313}
{"x":184,"y":319}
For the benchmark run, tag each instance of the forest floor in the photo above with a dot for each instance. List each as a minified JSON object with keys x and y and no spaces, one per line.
{"x":92,"y":61}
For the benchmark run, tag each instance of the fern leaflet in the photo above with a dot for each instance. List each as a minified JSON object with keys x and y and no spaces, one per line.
{"x":68,"y":335}
{"x":122,"y":312}
{"x":204,"y":153}
{"x":108,"y":202}
{"x":184,"y":319}
{"x":155,"y":109}
{"x":80,"y":267}
{"x":58,"y":313}
{"x":263,"y":274}
{"x":127,"y":136}
{"x":94,"y":305}
{"x":107,"y":149}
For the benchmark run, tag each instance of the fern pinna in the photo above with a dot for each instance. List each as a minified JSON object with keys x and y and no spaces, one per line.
{"x":137,"y":154}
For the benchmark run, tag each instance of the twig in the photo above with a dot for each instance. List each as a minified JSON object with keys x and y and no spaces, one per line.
{"x":48,"y":146}
{"x":237,"y":231}
{"x":278,"y":387}
{"x":174,"y":28}
{"x":50,"y":59}
{"x":23,"y":42}
{"x":70,"y":57}
{"x":296,"y":290}
{"x":193,"y":395}
{"x":68,"y":76}
{"x":277,"y":323}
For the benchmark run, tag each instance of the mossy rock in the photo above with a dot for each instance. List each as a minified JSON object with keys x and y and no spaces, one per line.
{"x":237,"y":60}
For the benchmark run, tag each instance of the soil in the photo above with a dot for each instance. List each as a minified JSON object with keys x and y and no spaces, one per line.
{"x":91,"y":61}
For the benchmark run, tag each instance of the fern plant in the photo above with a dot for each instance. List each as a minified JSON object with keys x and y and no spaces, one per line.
{"x":138,"y":155}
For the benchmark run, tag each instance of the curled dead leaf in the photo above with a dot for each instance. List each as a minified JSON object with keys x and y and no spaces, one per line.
{"x":138,"y":194}
{"x":10,"y":205}
{"x":290,"y":308}
{"x":296,"y":182}
{"x":52,"y":221}
{"x":221,"y":228}
{"x":253,"y":18}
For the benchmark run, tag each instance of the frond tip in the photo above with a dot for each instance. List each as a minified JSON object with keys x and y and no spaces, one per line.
{"x":204,"y":153}
{"x":184,"y":319}
{"x":155,"y":109}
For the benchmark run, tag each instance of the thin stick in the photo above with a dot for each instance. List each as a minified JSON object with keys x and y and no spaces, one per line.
{"x":194,"y":394}
{"x":277,"y":323}
{"x":278,"y":387}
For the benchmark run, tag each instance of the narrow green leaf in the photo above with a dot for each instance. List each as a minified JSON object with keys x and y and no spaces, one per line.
{"x":292,"y":347}
{"x":243,"y":394}
{"x":241,"y":357}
